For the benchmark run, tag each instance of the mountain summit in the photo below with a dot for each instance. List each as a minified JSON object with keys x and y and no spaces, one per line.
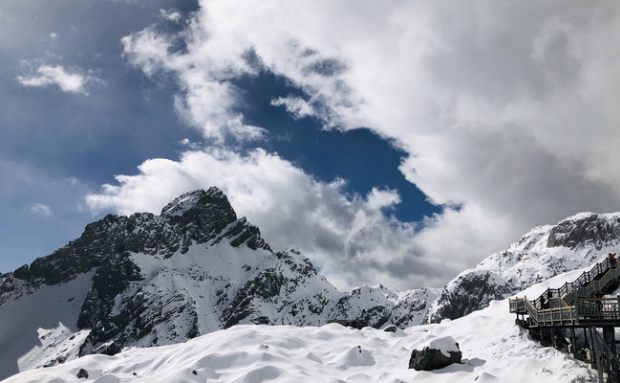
{"x":147,"y":280}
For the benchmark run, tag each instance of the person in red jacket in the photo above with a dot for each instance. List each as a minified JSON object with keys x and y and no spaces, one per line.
{"x":612,"y":259}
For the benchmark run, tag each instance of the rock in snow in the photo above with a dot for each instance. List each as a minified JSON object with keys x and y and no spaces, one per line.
{"x":435,"y":354}
{"x":82,"y":373}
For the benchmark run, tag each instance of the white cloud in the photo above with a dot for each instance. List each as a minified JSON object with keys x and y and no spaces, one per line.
{"x":296,"y":106}
{"x":68,"y":80}
{"x":170,"y":15}
{"x":208,"y":96}
{"x":508,"y":111}
{"x":348,"y":237}
{"x":41,"y":210}
{"x":378,"y":199}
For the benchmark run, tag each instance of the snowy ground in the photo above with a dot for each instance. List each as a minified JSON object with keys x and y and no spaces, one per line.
{"x":494,"y":350}
{"x":24,"y":349}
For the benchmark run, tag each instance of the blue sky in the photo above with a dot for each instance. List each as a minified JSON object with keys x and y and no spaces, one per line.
{"x":392,"y":143}
{"x":81,"y":141}
{"x":56,"y":145}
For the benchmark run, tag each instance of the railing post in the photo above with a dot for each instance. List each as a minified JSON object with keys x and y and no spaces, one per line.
{"x":577,"y":310}
{"x":596,"y":351}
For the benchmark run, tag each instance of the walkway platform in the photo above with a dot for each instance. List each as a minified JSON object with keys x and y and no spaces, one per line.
{"x":555,"y":316}
{"x":576,"y":304}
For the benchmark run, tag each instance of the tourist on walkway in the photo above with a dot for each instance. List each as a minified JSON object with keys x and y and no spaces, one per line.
{"x":612,"y":259}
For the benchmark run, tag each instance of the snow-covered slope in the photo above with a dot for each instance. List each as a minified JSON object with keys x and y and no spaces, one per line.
{"x":494,"y":350}
{"x":149,"y":280}
{"x":544,"y":252}
{"x":34,"y":328}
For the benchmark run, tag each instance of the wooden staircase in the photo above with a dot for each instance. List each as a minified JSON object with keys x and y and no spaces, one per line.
{"x":579,"y":305}
{"x":576,"y":303}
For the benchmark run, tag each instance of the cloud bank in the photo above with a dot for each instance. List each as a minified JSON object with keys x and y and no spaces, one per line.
{"x":508,"y":113}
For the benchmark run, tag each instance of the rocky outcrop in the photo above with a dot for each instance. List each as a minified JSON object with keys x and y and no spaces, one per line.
{"x":591,"y":230}
{"x":82,"y":374}
{"x":436,"y":354}
{"x":467,"y":293}
{"x":196,"y":217}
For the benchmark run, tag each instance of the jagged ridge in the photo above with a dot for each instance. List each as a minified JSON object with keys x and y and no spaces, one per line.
{"x":193,"y":269}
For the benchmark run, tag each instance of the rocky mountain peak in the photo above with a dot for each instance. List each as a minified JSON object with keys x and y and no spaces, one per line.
{"x":148,"y":280}
{"x":585,"y":229}
{"x":193,"y":218}
{"x":212,"y":202}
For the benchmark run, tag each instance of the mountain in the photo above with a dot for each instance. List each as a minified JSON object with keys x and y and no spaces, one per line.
{"x":151,"y":280}
{"x":544,"y":252}
{"x":494,"y":350}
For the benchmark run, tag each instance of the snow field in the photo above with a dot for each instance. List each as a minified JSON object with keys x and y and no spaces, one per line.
{"x":494,"y":350}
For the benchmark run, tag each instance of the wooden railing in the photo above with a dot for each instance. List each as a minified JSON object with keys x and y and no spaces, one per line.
{"x":587,"y":284}
{"x":572,"y":302}
{"x":608,"y":358}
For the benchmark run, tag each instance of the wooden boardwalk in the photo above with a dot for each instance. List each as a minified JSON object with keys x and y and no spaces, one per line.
{"x":558,"y":313}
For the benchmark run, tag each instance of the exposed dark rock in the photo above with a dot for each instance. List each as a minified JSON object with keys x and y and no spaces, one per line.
{"x":21,"y":272}
{"x":470,"y":292}
{"x":195,"y":217}
{"x":264,"y":286}
{"x":7,"y":285}
{"x":82,"y":374}
{"x":111,"y":278}
{"x":589,"y":229}
{"x":391,"y":328}
{"x":429,"y":359}
{"x":356,"y":324}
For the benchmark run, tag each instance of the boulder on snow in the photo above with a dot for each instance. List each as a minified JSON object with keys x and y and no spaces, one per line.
{"x":82,"y":373}
{"x":435,"y":354}
{"x":356,"y":324}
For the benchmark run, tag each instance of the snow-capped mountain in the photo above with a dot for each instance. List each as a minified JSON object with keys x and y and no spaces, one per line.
{"x":544,"y":252}
{"x":494,"y":350}
{"x":151,"y":280}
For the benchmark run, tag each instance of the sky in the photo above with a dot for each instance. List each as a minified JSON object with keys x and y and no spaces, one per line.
{"x":391,"y":142}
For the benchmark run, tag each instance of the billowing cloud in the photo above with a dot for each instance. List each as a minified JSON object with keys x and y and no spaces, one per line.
{"x":347,"y":236}
{"x":209,"y":96}
{"x":40,"y":209}
{"x":71,"y":80}
{"x":508,"y":111}
{"x":171,"y":15}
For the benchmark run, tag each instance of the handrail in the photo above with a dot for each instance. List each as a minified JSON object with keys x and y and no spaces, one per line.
{"x":572,"y":298}
{"x":531,"y":309}
{"x":613,"y":362}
